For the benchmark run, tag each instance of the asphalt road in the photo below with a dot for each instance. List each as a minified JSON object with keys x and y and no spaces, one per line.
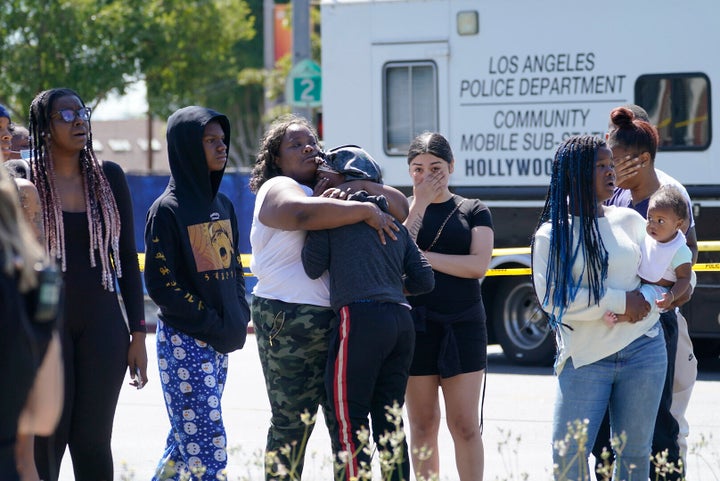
{"x":517,"y":419}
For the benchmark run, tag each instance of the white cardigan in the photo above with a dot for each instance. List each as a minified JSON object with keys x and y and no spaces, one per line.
{"x":622,"y":231}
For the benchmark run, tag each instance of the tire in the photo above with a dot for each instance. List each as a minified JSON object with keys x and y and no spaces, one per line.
{"x":706,"y":349}
{"x":520,"y":325}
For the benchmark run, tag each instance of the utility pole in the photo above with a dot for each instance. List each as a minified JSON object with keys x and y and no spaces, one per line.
{"x":301,"y":41}
{"x":269,"y":42}
{"x":149,"y":140}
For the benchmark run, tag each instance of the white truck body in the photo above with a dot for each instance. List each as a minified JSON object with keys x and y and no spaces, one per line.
{"x":507,"y":92}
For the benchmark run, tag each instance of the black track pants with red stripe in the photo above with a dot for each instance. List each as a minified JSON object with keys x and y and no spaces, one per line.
{"x":368,"y":369}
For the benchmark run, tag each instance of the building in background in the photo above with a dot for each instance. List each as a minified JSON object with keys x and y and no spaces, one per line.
{"x":126,"y":142}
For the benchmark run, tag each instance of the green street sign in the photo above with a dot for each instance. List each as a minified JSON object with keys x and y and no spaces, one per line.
{"x":303,"y":87}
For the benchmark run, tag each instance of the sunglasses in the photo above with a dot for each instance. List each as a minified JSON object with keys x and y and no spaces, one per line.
{"x":69,"y":115}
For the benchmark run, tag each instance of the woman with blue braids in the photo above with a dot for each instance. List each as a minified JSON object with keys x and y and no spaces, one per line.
{"x":585,"y":258}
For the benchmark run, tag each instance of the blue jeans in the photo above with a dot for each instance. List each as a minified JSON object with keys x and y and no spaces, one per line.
{"x":628,"y":383}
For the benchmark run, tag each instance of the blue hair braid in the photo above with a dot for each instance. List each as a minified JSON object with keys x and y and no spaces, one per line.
{"x":571,"y":210}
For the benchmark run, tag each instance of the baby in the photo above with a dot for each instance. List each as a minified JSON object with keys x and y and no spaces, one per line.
{"x":666,"y":263}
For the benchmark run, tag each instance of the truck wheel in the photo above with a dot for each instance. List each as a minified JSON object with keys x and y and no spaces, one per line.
{"x":520,"y":325}
{"x":706,"y":349}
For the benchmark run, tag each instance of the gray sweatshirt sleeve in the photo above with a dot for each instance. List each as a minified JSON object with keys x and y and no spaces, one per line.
{"x":419,"y":277}
{"x":316,"y":253}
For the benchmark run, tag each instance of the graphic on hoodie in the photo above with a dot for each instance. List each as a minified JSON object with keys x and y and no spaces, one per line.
{"x":212,"y":245}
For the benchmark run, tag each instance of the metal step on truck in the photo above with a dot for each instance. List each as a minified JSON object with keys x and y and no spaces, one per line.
{"x":505,"y":82}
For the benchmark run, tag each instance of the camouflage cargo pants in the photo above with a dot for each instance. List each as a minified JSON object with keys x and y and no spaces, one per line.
{"x":293,"y":342}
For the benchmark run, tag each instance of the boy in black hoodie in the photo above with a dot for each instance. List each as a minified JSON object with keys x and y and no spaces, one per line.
{"x":194,"y":275}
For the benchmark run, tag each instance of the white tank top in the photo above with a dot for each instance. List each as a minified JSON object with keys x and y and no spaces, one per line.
{"x":276,"y":258}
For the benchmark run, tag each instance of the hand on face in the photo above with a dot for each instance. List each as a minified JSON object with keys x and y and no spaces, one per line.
{"x":430,"y":176}
{"x":431,"y":186}
{"x":627,"y":165}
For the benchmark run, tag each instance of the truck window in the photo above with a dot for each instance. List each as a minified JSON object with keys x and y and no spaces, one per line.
{"x":410,"y":104}
{"x":679,"y":105}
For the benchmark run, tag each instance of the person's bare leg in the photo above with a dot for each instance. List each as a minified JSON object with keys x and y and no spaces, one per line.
{"x":423,"y":407}
{"x":25,"y":457}
{"x":462,"y":406}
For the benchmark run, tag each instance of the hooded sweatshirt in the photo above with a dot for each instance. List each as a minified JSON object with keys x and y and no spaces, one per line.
{"x":192,"y":266}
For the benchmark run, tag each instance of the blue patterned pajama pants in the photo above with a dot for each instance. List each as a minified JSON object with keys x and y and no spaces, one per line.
{"x":193,"y":375}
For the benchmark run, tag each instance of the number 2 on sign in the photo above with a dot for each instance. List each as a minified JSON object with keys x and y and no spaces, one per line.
{"x":308,"y":85}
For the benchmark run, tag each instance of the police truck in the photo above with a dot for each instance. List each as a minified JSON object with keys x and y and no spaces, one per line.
{"x":505,"y":82}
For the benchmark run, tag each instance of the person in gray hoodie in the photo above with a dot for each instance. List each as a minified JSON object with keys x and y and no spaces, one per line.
{"x":372,"y":348}
{"x":194,"y":274}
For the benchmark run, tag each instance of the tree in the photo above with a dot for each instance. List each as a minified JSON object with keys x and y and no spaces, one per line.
{"x":245,"y":88}
{"x":187,"y":61}
{"x":187,"y":51}
{"x":186,"y":48}
{"x":86,"y":45}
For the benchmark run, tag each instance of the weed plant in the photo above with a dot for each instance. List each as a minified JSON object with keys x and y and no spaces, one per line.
{"x":390,"y":455}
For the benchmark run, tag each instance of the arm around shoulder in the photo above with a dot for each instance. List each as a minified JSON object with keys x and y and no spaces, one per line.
{"x":397,"y":202}
{"x":286,"y":206}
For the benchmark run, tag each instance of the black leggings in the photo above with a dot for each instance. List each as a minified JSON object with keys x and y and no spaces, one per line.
{"x":95,"y":359}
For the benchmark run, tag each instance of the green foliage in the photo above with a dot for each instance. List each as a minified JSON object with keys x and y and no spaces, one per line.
{"x":82,"y":44}
{"x":192,"y":52}
{"x":189,"y":52}
{"x":606,"y":470}
{"x":259,"y":463}
{"x":187,"y":49}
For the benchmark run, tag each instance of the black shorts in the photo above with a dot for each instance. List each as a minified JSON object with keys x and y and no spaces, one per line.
{"x":470,"y":337}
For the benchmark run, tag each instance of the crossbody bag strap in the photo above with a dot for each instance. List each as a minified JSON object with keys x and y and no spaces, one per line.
{"x":437,"y":236}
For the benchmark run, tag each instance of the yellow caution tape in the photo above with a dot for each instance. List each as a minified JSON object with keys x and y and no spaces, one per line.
{"x":513,"y":271}
{"x":703,"y":246}
{"x":511,"y":251}
{"x":708,"y":267}
{"x":707,"y":246}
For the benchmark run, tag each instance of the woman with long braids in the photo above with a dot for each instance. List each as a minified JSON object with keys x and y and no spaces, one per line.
{"x":584,"y":262}
{"x":88,"y":220}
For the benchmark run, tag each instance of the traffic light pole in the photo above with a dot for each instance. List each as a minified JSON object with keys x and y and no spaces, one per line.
{"x":301,"y":42}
